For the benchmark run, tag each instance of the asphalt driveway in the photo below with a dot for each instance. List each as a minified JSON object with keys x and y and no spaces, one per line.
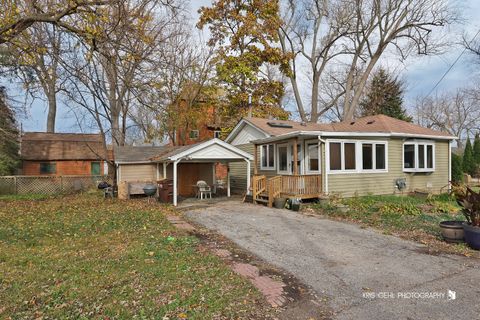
{"x":363,"y":273}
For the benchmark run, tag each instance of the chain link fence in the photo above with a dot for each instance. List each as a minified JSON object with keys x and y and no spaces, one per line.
{"x":49,"y":184}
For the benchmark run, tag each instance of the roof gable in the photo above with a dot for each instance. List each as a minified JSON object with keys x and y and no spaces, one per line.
{"x":207,"y":150}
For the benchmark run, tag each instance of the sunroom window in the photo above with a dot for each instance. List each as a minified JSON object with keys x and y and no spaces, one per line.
{"x":342,"y":156}
{"x":418,"y":157}
{"x":267,"y":157}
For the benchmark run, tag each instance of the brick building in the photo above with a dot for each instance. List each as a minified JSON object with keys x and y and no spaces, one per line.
{"x":62,"y":154}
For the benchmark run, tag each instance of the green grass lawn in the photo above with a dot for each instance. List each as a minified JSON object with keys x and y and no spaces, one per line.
{"x":84,"y":257}
{"x":412,"y":217}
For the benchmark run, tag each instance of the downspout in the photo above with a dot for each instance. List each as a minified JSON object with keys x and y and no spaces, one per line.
{"x":327,"y":156}
{"x":449,"y":165}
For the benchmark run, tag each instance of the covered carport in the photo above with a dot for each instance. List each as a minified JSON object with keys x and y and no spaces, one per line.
{"x":198,"y":160}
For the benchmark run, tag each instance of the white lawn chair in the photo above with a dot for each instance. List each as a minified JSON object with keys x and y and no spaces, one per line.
{"x":204,"y":190}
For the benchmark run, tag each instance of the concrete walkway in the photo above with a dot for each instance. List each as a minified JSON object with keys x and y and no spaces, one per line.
{"x":363,"y":273}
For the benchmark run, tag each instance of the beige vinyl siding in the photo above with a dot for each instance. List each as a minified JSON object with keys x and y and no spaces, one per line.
{"x":350,"y":184}
{"x":138,"y":172}
{"x":238,"y":170}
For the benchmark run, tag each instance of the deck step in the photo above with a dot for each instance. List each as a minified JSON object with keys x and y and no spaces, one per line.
{"x":265,"y":201}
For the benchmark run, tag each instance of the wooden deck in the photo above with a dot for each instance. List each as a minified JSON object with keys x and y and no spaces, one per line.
{"x":265,"y":190}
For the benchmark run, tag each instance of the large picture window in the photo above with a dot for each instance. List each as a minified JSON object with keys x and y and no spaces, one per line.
{"x":418,"y":157}
{"x":357,"y":156}
{"x":267,"y":157}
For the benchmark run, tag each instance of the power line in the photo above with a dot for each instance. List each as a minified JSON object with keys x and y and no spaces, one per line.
{"x":452,"y":65}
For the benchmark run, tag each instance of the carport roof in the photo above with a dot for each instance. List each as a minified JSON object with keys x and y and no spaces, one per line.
{"x":211,"y":149}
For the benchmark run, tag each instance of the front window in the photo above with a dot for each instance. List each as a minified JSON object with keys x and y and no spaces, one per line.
{"x":418,"y":157}
{"x":357,"y":156}
{"x":48,"y":168}
{"x":268,"y":157}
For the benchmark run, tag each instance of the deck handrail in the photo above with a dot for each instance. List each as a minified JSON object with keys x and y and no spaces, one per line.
{"x":274,"y":189}
{"x":259,"y":185}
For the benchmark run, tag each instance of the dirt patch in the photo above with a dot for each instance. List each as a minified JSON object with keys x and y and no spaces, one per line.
{"x":301,"y":301}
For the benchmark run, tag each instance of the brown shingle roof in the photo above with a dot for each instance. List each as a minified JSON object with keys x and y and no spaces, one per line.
{"x":263,"y":124}
{"x":61,"y":146}
{"x":370,"y":124}
{"x":138,"y":153}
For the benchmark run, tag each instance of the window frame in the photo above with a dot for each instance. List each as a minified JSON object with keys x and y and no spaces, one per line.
{"x":54,"y":164}
{"x":197,"y":135}
{"x":288,"y":160}
{"x":217,"y":134}
{"x":374,"y":156}
{"x":307,"y":157}
{"x":358,"y":156}
{"x":99,"y":168}
{"x":268,"y":168}
{"x":416,"y":144}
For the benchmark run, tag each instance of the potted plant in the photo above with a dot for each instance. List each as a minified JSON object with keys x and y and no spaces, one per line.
{"x":469,"y":200}
{"x":280,"y":202}
{"x":452,"y":231}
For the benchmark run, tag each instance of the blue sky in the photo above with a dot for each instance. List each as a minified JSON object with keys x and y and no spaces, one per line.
{"x":419,"y":74}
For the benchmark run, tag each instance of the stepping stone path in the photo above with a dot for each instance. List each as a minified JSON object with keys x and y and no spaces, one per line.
{"x":180,"y":223}
{"x":272,"y":289}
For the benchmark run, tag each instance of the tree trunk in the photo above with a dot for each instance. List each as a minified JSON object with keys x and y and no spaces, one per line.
{"x":52,"y":110}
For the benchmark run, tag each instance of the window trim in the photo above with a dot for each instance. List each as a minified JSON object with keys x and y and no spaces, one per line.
{"x":358,"y":156}
{"x":416,"y":143}
{"x":99,"y":168}
{"x":307,"y":157}
{"x":268,"y":168}
{"x":217,"y":134}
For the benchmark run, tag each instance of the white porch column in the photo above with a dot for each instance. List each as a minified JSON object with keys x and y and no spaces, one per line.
{"x":228,"y":182}
{"x":175,"y":178}
{"x":164,"y":170}
{"x":248,"y":176}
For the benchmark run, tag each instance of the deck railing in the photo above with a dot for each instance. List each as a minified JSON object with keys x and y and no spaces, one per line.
{"x":300,"y":186}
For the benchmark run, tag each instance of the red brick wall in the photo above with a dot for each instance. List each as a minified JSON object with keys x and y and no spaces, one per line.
{"x":64,"y":168}
{"x":221,"y":171}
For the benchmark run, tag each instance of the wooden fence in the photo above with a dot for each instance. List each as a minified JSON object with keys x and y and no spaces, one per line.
{"x":49,"y":184}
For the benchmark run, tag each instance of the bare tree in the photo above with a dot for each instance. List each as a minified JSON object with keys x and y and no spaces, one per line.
{"x":36,"y":64}
{"x":17,"y":16}
{"x":348,"y":38}
{"x":125,"y":60}
{"x":456,"y":113}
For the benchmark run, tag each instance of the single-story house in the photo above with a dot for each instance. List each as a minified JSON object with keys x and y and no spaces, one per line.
{"x":185,"y":165}
{"x":61,"y":154}
{"x":371,"y":155}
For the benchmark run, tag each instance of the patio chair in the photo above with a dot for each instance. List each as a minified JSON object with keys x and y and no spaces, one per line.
{"x":204,"y":190}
